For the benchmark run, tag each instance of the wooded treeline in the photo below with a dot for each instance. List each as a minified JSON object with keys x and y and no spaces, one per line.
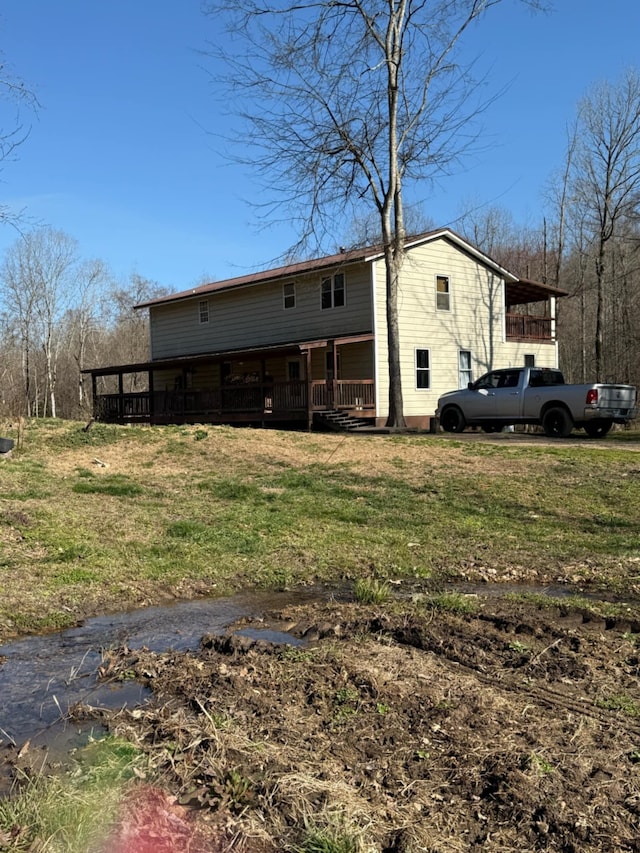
{"x":589,"y":244}
{"x":533,"y":253}
{"x":60,"y":313}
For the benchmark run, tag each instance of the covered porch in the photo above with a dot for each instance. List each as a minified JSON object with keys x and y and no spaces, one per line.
{"x":274,"y":385}
{"x":530,"y":311}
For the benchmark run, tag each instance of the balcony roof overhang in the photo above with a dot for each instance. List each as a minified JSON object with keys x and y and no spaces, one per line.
{"x":185,"y":361}
{"x":524,"y":290}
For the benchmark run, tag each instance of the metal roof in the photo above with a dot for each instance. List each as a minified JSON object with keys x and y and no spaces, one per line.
{"x":365,"y":254}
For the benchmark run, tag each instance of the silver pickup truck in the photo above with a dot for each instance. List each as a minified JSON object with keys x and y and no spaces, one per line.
{"x":536,"y":395}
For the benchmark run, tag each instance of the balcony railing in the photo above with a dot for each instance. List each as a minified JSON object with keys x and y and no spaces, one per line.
{"x":524,"y":327}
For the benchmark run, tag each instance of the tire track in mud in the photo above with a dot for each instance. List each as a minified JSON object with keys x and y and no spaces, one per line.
{"x":498,"y":661}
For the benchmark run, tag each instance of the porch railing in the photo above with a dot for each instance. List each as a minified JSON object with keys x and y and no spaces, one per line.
{"x":118,"y":407}
{"x":277,"y":399}
{"x":343,"y":394}
{"x":261,"y":398}
{"x":524,"y":327}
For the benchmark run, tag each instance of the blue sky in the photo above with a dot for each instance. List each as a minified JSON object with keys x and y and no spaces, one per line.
{"x":124,"y":154}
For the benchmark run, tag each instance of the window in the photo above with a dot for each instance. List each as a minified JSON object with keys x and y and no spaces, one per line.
{"x":529,"y":361}
{"x":465,"y":374}
{"x":333,"y":291}
{"x":423,"y":378}
{"x":289,"y":295}
{"x":293,"y":370}
{"x":443,"y":293}
{"x":203,"y":310}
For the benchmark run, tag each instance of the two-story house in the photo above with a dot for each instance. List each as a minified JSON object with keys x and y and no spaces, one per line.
{"x":290,"y":344}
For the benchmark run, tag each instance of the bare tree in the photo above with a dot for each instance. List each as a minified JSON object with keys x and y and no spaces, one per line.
{"x":19,"y":322}
{"x":82,"y":321}
{"x":604,"y":182}
{"x":348,"y":102}
{"x":15,"y":97}
{"x":125,"y":338}
{"x":42,"y":279}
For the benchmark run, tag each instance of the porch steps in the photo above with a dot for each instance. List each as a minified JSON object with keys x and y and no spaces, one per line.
{"x":340,"y":422}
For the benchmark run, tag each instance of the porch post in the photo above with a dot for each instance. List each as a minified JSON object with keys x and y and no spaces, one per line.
{"x":151,"y":396}
{"x":120,"y":397}
{"x":334,"y":390}
{"x":307,"y":354}
{"x":331,"y":379}
{"x":94,"y":395}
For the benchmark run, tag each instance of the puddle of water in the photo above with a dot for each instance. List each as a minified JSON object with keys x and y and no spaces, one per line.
{"x":43,"y":676}
{"x":269,"y":636}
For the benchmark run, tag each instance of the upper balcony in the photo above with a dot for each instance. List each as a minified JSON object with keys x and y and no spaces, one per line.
{"x":541,"y":326}
{"x":528,"y":327}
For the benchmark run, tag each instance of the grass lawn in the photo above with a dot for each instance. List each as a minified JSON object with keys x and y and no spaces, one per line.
{"x":121,"y":517}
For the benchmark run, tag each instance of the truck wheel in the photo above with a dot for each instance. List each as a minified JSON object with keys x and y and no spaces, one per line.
{"x":557,"y":422}
{"x":452,"y":420}
{"x":598,"y":429}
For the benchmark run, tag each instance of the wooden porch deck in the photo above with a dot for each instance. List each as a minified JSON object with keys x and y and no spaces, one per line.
{"x":293,"y":401}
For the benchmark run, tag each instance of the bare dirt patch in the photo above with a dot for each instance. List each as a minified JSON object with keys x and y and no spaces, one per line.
{"x":410,"y":728}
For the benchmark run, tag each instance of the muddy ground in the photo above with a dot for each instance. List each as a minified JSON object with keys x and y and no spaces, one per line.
{"x":405,"y":727}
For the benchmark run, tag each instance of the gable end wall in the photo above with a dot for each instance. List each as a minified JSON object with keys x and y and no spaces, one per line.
{"x":475,"y":322}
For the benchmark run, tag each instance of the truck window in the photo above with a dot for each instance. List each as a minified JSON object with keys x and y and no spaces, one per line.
{"x":489,"y":380}
{"x":542,"y":378}
{"x":509,"y":379}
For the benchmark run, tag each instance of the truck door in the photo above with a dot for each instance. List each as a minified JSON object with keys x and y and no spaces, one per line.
{"x":496,"y":397}
{"x":508,"y":395}
{"x":481,"y":402}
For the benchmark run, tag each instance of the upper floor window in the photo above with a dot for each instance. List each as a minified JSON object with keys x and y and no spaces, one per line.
{"x":333,"y":291}
{"x":443,"y":293}
{"x":203,"y":310}
{"x":289,"y":295}
{"x":423,"y":371}
{"x":465,"y":374}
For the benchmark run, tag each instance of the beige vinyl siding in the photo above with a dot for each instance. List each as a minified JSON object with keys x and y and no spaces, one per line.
{"x":474,"y":322}
{"x":356,"y":361}
{"x":255,"y":316}
{"x":318,"y":363}
{"x":204,"y":377}
{"x":512,"y":354}
{"x":166,"y":380}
